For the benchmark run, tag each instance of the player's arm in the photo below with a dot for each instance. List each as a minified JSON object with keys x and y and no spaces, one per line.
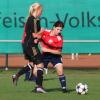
{"x":51,"y":51}
{"x":38,"y":35}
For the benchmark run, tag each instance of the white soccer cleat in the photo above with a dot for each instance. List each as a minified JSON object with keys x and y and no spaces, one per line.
{"x":40,"y":90}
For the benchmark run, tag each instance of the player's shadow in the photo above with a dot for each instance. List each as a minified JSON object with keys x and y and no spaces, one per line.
{"x":71,"y":90}
{"x":59,"y":89}
{"x":53,"y":89}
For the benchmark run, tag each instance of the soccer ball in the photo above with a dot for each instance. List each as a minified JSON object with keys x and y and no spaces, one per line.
{"x":81,"y":88}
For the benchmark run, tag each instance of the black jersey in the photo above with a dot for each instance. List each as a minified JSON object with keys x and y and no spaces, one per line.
{"x":32,"y":26}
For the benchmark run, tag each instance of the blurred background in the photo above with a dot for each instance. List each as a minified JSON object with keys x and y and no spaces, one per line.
{"x":81,"y":33}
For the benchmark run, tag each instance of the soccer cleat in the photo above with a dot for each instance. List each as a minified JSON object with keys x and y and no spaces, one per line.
{"x":40,"y":90}
{"x":65,"y":91}
{"x":14,"y":79}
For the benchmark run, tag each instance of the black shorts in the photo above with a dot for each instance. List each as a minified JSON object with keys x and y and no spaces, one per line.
{"x":32,"y":53}
{"x":53,"y":58}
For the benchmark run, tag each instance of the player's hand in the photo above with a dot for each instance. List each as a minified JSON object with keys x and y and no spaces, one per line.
{"x":35,"y":35}
{"x":36,"y":41}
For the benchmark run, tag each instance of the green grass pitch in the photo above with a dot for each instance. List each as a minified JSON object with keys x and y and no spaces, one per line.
{"x":51,"y":83}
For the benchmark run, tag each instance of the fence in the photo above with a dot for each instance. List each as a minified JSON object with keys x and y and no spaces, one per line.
{"x":74,"y":54}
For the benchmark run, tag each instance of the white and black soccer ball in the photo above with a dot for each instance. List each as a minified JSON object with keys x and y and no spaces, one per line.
{"x":82,"y":88}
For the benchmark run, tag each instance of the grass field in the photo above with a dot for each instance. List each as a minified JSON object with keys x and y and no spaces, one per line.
{"x":52,"y":86}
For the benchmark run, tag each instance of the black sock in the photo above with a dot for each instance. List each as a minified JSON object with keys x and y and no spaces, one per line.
{"x":39,"y":79}
{"x":31,"y":75}
{"x":62,"y":81}
{"x":27,"y":68}
{"x":27,"y":75}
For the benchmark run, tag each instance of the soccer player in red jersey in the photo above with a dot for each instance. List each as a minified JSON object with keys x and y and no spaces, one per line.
{"x":52,"y":43}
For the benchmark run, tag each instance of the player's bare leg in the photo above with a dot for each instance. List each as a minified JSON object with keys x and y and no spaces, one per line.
{"x":62,"y":79}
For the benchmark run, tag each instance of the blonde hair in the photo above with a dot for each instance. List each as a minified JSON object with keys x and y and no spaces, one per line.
{"x":34,"y":7}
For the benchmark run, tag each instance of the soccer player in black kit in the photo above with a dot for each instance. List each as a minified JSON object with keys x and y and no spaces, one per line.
{"x":30,"y":47}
